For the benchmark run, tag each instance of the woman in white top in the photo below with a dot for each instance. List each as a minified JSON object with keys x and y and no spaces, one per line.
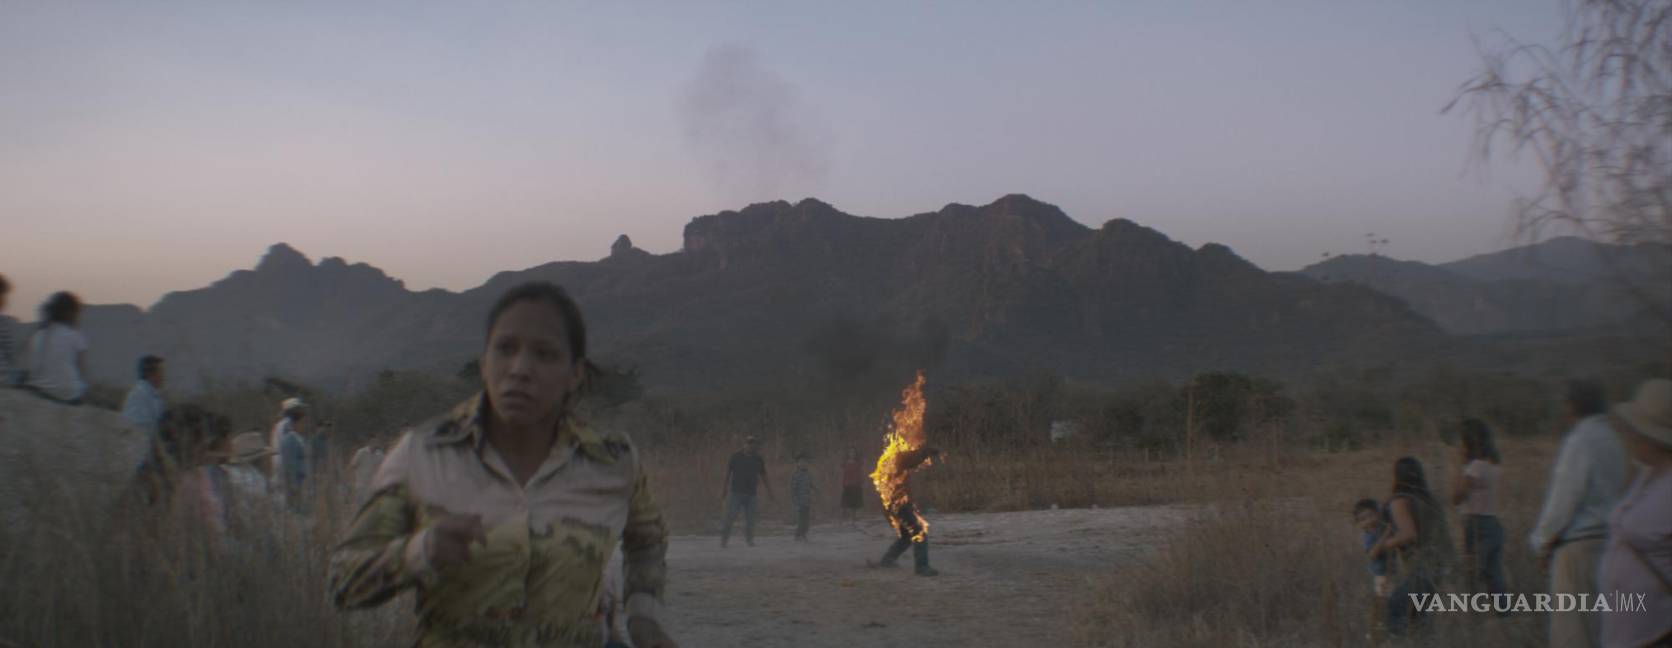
{"x":58,"y":352}
{"x":1476,"y":490}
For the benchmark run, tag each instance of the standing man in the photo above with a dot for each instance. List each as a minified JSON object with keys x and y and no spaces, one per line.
{"x":144,"y":405}
{"x":1573,"y":528}
{"x":300,"y":456}
{"x":744,"y":472}
{"x":144,"y":409}
{"x":291,"y":413}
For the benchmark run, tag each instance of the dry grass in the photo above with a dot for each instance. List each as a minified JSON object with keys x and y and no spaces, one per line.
{"x":1276,"y":562}
{"x":129,"y":579}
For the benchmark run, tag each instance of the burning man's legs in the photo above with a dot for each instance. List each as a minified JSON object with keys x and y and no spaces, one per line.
{"x":920,"y":558}
{"x":890,"y":557}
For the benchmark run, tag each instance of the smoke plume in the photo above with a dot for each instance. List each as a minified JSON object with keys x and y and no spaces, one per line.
{"x":751,"y":130}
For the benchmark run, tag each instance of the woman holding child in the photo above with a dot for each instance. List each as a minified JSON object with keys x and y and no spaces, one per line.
{"x":1418,"y":540}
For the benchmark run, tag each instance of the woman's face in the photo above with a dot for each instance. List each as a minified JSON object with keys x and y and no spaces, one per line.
{"x":527,"y":368}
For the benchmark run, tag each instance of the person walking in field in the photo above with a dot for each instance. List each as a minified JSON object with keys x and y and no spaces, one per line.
{"x":745,"y":472}
{"x":1572,"y":529}
{"x":1639,"y":554}
{"x":301,"y":459}
{"x":910,"y":529}
{"x":853,"y":480}
{"x":1419,"y":542}
{"x":291,"y":413}
{"x":143,"y":406}
{"x":801,"y":496}
{"x":503,"y":513}
{"x":1475,"y":489}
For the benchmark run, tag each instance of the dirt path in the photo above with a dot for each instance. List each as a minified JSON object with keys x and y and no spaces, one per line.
{"x":1005,"y":578}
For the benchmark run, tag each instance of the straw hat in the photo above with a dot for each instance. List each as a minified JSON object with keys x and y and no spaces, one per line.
{"x":1650,"y":410}
{"x":248,"y":447}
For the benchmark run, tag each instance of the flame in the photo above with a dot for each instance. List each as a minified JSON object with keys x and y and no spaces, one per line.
{"x":905,"y":434}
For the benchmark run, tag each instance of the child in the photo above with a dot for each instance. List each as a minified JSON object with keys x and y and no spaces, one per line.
{"x":1368,"y":517}
{"x":801,"y":495}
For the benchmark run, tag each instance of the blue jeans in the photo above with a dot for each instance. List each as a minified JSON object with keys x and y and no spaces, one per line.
{"x":736,"y":503}
{"x":1483,"y":550}
{"x":1402,"y":613}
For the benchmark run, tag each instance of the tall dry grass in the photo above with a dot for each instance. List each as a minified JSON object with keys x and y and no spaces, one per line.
{"x":79,"y":578}
{"x":1274,"y":561}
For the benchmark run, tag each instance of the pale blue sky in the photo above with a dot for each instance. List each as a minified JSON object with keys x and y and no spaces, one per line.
{"x":147,"y":147}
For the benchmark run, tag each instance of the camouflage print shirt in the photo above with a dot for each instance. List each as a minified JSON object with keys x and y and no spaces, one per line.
{"x":537,"y":580}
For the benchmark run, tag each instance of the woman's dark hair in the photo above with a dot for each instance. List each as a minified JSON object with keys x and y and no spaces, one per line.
{"x":1408,"y":479}
{"x":574,"y":326}
{"x":545,"y":291}
{"x":1586,"y":398}
{"x":60,"y":308}
{"x":1477,"y":441}
{"x":5,"y":286}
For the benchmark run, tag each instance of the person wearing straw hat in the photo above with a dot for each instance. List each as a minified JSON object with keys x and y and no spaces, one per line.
{"x":291,"y":413}
{"x":1638,"y":561}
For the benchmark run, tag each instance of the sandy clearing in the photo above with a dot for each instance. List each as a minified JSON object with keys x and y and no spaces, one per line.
{"x":1004,"y":580}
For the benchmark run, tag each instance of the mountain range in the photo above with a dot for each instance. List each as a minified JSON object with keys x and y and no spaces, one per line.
{"x":1562,"y":284}
{"x":780,"y":295}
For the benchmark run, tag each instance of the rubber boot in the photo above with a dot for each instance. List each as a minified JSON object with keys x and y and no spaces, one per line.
{"x":920,"y":556}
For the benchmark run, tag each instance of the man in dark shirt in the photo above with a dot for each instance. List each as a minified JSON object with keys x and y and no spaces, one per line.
{"x":744,"y":473}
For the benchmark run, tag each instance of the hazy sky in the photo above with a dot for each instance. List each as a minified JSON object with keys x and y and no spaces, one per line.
{"x":147,"y":147}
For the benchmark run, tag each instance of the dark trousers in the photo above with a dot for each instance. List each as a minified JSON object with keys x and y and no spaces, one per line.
{"x":1483,"y":549}
{"x":919,"y":550}
{"x":803,"y":518}
{"x":739,"y":503}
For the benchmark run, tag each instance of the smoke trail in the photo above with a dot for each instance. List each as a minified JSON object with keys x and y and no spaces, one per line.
{"x":749,"y":127}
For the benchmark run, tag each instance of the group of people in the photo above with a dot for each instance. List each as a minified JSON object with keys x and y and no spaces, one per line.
{"x":504,"y":512}
{"x":1605,"y":527}
{"x":746,"y":475}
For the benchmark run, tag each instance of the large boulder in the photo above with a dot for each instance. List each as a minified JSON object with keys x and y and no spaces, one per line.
{"x":69,"y":463}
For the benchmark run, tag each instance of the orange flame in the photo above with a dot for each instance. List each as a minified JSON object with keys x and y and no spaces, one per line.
{"x":905,"y":435}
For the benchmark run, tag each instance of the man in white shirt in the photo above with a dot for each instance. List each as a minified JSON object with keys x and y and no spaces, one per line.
{"x":1572,"y":531}
{"x":291,"y":412}
{"x":144,"y":405}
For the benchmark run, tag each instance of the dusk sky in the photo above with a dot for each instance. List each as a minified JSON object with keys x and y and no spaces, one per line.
{"x":157,"y":146}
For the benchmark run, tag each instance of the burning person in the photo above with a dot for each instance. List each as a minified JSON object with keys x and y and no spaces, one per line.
{"x":908,"y":522}
{"x":906,"y":452}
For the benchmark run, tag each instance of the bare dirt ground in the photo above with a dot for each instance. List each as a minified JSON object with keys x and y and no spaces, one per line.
{"x":1005,"y":579}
